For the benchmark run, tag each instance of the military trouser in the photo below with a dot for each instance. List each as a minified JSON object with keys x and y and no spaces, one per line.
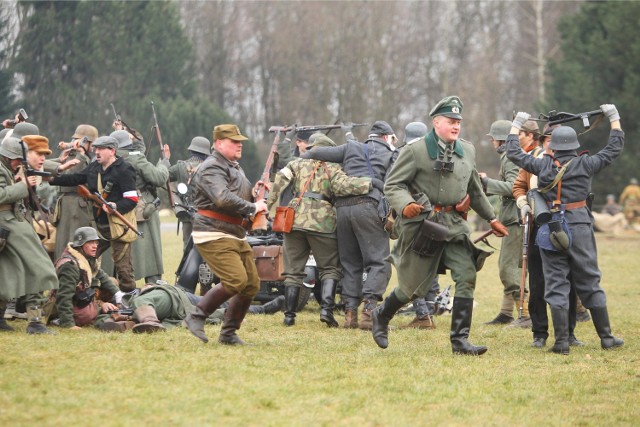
{"x":187,"y":229}
{"x":537,"y":303}
{"x":416,"y":274}
{"x":509,"y":261}
{"x":581,"y":264}
{"x":363,"y":250}
{"x":231,"y":260}
{"x":121,"y":255}
{"x":158,"y":299}
{"x":297,"y":246}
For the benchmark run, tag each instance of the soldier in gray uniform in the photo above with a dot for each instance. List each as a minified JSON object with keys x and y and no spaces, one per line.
{"x":364,"y":243}
{"x":183,"y":172}
{"x":25,"y":268}
{"x":314,"y":184}
{"x":431,"y":180}
{"x":568,"y":244}
{"x":511,"y":245}
{"x":146,"y":253}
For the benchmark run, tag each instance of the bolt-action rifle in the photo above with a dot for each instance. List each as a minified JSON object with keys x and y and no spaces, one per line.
{"x":270,"y":169}
{"x":155,"y":130}
{"x":100,"y":201}
{"x":526,"y":224}
{"x":314,"y":128}
{"x":126,"y":127}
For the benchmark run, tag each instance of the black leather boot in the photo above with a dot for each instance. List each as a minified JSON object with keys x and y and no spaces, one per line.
{"x":380,"y":318}
{"x":233,"y":317}
{"x":560,"y":317}
{"x":328,"y":302}
{"x":207,"y":305}
{"x":600,"y":317}
{"x":272,"y":307}
{"x":291,"y":295}
{"x":461,"y":315}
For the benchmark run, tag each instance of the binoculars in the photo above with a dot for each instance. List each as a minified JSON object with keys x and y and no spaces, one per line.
{"x":442,"y":165}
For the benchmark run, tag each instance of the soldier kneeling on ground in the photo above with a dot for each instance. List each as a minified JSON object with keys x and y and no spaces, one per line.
{"x":85,"y":290}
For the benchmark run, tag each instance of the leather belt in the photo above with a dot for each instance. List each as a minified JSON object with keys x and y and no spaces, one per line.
{"x":224,"y":218}
{"x":440,"y":208}
{"x":316,"y":196}
{"x":575,"y":205}
{"x":572,"y":205}
{"x":4,"y":208}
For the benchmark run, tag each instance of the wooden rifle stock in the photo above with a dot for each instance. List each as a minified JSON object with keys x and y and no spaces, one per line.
{"x":156,"y":127}
{"x":260,"y":220}
{"x":483,"y":237}
{"x":95,"y":198}
{"x":526,"y":223}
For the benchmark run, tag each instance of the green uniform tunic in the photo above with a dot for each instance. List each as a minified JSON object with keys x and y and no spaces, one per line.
{"x":412,"y":178}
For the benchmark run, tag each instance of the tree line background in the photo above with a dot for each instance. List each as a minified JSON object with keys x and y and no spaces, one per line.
{"x":260,"y":64}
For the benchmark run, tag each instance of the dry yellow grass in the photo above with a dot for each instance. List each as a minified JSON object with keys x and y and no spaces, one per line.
{"x":312,"y":375}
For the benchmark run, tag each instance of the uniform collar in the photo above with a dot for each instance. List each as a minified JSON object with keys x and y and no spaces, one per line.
{"x":432,"y":146}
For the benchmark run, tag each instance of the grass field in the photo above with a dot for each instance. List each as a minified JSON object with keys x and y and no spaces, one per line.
{"x":312,"y":375}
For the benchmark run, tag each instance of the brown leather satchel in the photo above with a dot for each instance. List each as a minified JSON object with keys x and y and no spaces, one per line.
{"x":283,"y":221}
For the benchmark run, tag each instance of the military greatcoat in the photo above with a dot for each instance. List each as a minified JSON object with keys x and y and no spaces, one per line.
{"x":413,"y":178}
{"x":25,"y":267}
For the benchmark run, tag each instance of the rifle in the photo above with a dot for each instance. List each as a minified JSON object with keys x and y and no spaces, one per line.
{"x":483,"y":238}
{"x":270,"y":168}
{"x":555,"y":118}
{"x":100,"y":201}
{"x":156,"y":128}
{"x":441,"y":302}
{"x":122,"y":311}
{"x":313,"y":128}
{"x":20,"y":117}
{"x":526,"y":223}
{"x":126,"y":127}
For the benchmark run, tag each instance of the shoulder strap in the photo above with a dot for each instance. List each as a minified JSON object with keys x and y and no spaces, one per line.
{"x":306,"y":184}
{"x":557,"y":179}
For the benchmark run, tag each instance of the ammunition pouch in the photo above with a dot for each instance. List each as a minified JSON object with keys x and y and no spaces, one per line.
{"x":555,"y":235}
{"x":430,"y":238}
{"x":84,"y":297}
{"x":4,"y":235}
{"x":539,"y":207}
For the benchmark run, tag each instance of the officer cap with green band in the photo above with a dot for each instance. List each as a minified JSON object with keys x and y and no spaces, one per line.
{"x":449,"y":106}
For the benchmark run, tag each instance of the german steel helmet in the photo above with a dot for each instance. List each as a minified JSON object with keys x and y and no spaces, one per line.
{"x":201,"y":145}
{"x":10,"y":148}
{"x":564,"y":138}
{"x":83,"y":235}
{"x":86,"y":130}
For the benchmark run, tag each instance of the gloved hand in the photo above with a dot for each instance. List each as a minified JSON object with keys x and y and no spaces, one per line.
{"x":291,"y":135}
{"x":610,"y":111}
{"x":411,"y":210}
{"x":499,"y":229}
{"x":377,"y":183}
{"x":524,"y":211}
{"x":519,"y":120}
{"x":346,"y":127}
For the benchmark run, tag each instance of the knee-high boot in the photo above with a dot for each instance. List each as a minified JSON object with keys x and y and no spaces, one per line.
{"x":560,"y":317}
{"x":291,"y":295}
{"x":233,"y":317}
{"x":600,"y":317}
{"x":207,"y":305}
{"x":461,"y":315}
{"x":380,"y":318}
{"x":328,"y":302}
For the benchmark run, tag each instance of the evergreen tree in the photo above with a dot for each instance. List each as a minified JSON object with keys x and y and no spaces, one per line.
{"x":76,"y":58}
{"x":601,"y":65}
{"x":6,"y":77}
